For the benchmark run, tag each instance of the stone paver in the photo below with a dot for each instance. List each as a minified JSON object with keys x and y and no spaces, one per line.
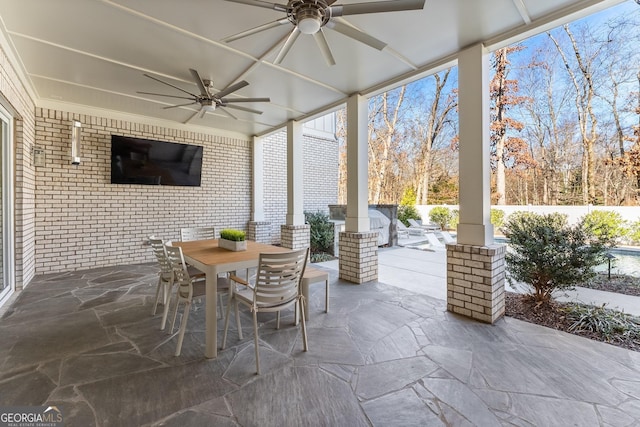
{"x":383,"y":356}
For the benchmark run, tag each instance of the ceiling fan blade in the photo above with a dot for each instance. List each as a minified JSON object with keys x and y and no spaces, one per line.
{"x":179,"y":105}
{"x":258,"y":3}
{"x":191,"y":117}
{"x":356,"y":34}
{"x":228,"y":113}
{"x":199,"y":82}
{"x":376,"y":7}
{"x":162,"y":94}
{"x":256,"y":30}
{"x":287,"y":45}
{"x":321,"y":41}
{"x":169,"y":84}
{"x":237,"y":107}
{"x":236,"y":100}
{"x":231,"y":89}
{"x":203,"y":111}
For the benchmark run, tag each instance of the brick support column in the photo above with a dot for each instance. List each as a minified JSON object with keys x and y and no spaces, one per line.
{"x":259,"y":231}
{"x":358,"y":256}
{"x":295,"y":236}
{"x":475,"y":281}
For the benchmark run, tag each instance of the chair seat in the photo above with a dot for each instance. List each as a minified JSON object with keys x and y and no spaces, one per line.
{"x":245,"y":295}
{"x":313,"y":275}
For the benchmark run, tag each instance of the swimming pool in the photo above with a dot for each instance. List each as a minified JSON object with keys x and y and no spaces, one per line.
{"x":625,"y":261}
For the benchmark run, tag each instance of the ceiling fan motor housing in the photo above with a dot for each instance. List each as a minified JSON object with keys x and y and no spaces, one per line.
{"x":308,"y":15}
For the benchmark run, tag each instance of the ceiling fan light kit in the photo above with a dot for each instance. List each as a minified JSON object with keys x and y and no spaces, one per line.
{"x":310,"y":16}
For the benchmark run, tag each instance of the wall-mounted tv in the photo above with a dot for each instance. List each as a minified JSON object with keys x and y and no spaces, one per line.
{"x":149,"y":162}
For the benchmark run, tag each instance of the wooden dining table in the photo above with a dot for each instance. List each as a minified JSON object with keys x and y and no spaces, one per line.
{"x":207,"y":257}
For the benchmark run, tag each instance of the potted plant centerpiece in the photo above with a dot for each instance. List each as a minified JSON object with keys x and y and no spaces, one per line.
{"x":233,"y":240}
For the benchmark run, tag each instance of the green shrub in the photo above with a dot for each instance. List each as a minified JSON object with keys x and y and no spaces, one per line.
{"x":455,"y":219}
{"x":497,"y":218}
{"x":607,"y":226}
{"x":406,"y":212}
{"x":441,"y":215}
{"x":408,"y":197}
{"x":321,"y":232}
{"x":233,"y":235}
{"x":634,"y":232}
{"x":547,"y":254}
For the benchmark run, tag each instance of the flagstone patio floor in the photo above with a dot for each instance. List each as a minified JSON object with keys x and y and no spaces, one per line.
{"x":382,"y":356}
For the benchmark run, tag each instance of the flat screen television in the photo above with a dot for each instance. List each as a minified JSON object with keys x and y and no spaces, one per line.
{"x":149,"y":162}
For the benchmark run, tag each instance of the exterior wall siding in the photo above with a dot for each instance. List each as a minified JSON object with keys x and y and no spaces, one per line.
{"x":84,"y":221}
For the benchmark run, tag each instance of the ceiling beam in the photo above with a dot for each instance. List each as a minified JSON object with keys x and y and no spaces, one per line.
{"x":522,"y":10}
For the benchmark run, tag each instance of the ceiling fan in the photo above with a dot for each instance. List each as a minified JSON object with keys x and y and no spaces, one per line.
{"x":312,"y":16}
{"x":209,"y":101}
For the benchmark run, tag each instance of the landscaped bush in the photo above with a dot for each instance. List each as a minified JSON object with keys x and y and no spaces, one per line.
{"x":455,"y":219}
{"x":548,"y":255}
{"x":497,"y":218}
{"x":321,"y":235}
{"x":406,"y":212}
{"x":607,"y":226}
{"x":634,"y":232}
{"x":441,"y":215}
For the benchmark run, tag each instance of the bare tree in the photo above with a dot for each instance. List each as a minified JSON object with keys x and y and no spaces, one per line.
{"x":383,"y":135}
{"x":429,"y":126}
{"x":582,"y":79}
{"x":505,"y":147}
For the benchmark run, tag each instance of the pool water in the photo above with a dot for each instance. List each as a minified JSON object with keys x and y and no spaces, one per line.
{"x":625,"y":262}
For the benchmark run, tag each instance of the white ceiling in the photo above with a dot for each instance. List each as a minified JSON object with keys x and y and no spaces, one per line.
{"x":87,"y":55}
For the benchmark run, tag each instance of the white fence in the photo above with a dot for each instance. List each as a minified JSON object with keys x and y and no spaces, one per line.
{"x":574,"y":213}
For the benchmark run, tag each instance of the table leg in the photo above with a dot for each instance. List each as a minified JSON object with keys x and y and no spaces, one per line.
{"x":211,"y":316}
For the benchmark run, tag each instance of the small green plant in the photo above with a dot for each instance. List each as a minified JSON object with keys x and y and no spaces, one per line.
{"x":607,"y":226}
{"x":609,"y":323}
{"x":548,"y":255}
{"x":321,"y":233}
{"x":441,"y":215}
{"x":233,"y":235}
{"x":497,"y":218}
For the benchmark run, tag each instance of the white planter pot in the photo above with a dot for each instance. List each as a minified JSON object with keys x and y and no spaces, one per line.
{"x":232,"y":246}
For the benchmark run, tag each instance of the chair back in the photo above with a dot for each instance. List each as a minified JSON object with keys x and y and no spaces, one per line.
{"x":157,"y":246}
{"x":179,"y":269}
{"x":197,"y":233}
{"x":278,"y":277}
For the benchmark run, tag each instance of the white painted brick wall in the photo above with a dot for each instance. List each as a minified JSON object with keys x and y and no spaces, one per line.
{"x":19,"y":102}
{"x":320,"y":177}
{"x":84,"y":221}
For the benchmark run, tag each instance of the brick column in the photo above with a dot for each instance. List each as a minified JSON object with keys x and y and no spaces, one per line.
{"x":475,"y":281}
{"x":295,"y":236}
{"x":358,"y":256}
{"x":259,"y":231}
